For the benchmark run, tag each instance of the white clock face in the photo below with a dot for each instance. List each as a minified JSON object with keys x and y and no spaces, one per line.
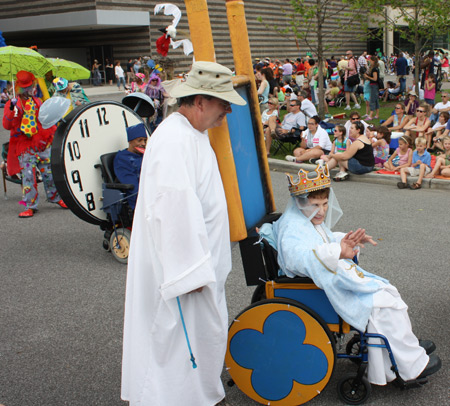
{"x":87,"y":133}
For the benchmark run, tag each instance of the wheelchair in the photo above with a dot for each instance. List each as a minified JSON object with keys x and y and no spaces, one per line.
{"x":282,"y":349}
{"x":117,"y":228}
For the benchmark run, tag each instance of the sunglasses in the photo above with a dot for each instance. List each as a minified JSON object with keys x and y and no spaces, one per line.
{"x":354,"y":118}
{"x":420,"y":111}
{"x":293,"y":105}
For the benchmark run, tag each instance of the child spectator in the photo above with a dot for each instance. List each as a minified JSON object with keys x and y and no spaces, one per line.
{"x":4,"y":97}
{"x":332,"y":91}
{"x":412,"y":104}
{"x":402,"y":156}
{"x":430,"y":89}
{"x":340,"y":144}
{"x":434,"y":133}
{"x":380,"y":137}
{"x":420,"y":165}
{"x":442,"y":166}
{"x":366,"y":88}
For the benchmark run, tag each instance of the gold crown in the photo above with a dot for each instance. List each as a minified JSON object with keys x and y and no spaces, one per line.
{"x":310,"y":181}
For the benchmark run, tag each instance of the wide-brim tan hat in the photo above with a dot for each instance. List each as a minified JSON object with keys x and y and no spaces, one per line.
{"x":412,"y":93}
{"x":209,"y":78}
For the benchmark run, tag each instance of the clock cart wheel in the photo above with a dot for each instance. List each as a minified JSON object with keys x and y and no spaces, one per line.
{"x":120,"y":244}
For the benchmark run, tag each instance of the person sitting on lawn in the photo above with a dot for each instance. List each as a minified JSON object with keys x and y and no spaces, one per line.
{"x":380,"y":137}
{"x":358,"y":158}
{"x":308,"y":248}
{"x":392,"y":89}
{"x":340,"y":144}
{"x":442,"y":166}
{"x":315,"y":142}
{"x":294,"y":120}
{"x":354,"y":116}
{"x":435,"y":133}
{"x":307,"y":107}
{"x":128,"y":162}
{"x":420,"y":165}
{"x":418,"y":125}
{"x":402,"y":156}
{"x":398,"y":120}
{"x":269,"y":120}
{"x":332,"y":91}
{"x":412,"y":104}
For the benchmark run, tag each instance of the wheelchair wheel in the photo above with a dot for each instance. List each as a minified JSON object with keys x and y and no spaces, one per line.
{"x":259,"y":293}
{"x":352,"y":392}
{"x":280,"y":352}
{"x":120,"y":245}
{"x":353,"y":347}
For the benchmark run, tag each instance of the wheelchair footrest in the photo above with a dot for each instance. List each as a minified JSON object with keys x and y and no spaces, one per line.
{"x":413,"y":383}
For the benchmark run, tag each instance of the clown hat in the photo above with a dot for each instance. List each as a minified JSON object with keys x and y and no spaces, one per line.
{"x":24,"y":79}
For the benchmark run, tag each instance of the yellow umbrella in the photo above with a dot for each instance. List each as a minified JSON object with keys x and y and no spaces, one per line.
{"x":14,"y":59}
{"x":69,"y":70}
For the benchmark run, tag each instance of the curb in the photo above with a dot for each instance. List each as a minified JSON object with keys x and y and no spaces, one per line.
{"x":376,"y":178}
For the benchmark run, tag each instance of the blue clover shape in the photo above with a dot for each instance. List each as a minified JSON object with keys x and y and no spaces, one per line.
{"x":278,"y":356}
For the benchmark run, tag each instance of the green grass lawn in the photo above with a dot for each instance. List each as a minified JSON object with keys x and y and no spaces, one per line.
{"x":386,"y":109}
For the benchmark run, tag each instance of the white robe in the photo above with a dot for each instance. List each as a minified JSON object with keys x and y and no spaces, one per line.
{"x":180,"y":242}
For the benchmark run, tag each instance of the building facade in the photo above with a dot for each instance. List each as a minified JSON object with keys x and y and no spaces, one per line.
{"x":84,"y":30}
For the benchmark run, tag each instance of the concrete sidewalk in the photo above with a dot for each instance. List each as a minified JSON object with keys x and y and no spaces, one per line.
{"x":373,"y":177}
{"x":103,"y":90}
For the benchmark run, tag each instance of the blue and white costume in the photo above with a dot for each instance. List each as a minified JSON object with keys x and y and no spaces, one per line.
{"x":359,"y":297}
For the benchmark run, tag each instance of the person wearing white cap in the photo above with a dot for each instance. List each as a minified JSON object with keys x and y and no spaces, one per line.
{"x":180,"y":254}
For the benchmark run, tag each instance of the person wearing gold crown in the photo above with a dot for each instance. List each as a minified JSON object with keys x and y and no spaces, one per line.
{"x":307,"y":247}
{"x":29,"y":144}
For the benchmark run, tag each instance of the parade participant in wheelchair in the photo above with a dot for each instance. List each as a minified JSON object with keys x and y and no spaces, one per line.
{"x":29,"y":145}
{"x":307,"y":247}
{"x":128,"y":162}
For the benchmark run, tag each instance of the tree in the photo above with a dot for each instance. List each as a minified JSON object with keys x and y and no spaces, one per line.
{"x":421,"y":20}
{"x":313,"y":21}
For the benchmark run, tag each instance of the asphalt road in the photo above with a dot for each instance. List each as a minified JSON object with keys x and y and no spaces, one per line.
{"x":62,"y":295}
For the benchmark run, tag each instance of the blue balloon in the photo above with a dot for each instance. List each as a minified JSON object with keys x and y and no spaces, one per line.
{"x":151,"y":64}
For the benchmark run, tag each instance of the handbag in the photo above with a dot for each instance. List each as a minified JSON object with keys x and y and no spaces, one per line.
{"x":353,"y":80}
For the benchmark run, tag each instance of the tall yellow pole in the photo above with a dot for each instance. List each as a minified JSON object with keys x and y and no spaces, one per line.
{"x":202,"y":41}
{"x":243,"y":65}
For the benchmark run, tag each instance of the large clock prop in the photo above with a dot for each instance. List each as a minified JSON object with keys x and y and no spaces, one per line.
{"x":82,"y":137}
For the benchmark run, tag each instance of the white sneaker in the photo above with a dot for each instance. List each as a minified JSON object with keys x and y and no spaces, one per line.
{"x":357,"y":106}
{"x":290,"y":158}
{"x":341,"y":176}
{"x":347,"y":107}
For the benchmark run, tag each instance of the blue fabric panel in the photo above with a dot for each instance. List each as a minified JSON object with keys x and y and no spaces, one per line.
{"x":315,"y":299}
{"x":242,"y":136}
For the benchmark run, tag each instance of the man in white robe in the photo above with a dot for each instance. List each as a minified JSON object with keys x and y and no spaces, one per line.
{"x":180,"y":248}
{"x":307,"y":247}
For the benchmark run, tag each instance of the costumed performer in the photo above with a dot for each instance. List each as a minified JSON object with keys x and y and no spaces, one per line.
{"x":180,"y":253}
{"x":29,"y":144}
{"x":72,"y":91}
{"x":128,"y":162}
{"x":307,"y":247}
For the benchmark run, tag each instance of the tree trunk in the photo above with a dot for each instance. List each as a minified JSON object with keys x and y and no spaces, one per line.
{"x":320,"y":62}
{"x":417,"y":56}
